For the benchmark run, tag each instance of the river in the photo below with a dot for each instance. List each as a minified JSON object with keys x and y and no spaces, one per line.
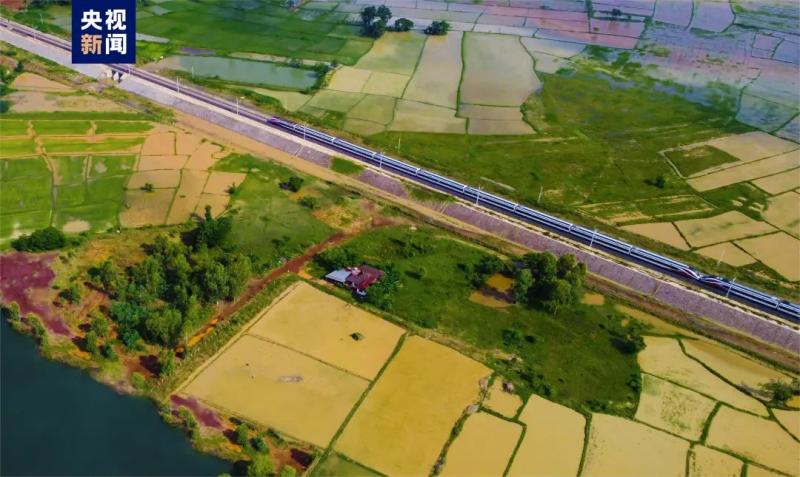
{"x":56,"y":420}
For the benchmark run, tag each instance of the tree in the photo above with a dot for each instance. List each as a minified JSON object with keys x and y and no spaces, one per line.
{"x":260,"y":466}
{"x":522,"y":285}
{"x":242,"y":434}
{"x":11,"y":312}
{"x":438,"y":27}
{"x":339,"y":257}
{"x":108,"y":352}
{"x":99,"y":325}
{"x":214,"y":281}
{"x":381,"y":293}
{"x":403,"y":24}
{"x":239,"y":270}
{"x":211,"y":232}
{"x":108,"y":276}
{"x":166,"y":362}
{"x":92,"y":345}
{"x":559,"y":294}
{"x":374,"y":19}
{"x":164,"y":327}
{"x":543,"y":266}
{"x":288,"y":471}
{"x":294,"y":183}
{"x":780,"y":392}
{"x":42,"y":240}
{"x":72,"y":293}
{"x":148,"y":275}
{"x":148,"y":187}
{"x":311,"y":203}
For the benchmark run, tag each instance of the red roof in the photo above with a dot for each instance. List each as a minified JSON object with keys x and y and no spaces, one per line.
{"x":362,"y":277}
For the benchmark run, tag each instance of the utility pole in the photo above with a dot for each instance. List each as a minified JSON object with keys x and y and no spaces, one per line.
{"x":730,"y":285}
{"x":721,"y":255}
{"x":591,"y":242}
{"x":541,"y":190}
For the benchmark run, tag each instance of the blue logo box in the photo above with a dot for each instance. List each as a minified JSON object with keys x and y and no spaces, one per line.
{"x":104,"y":31}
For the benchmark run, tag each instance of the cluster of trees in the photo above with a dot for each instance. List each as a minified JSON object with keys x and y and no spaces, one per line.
{"x":41,"y":240}
{"x":165,"y":297}
{"x":255,"y":446}
{"x":439,"y":27}
{"x":294,"y":183}
{"x":374,"y":20}
{"x":780,"y":392}
{"x":380,"y":293}
{"x":549,"y":283}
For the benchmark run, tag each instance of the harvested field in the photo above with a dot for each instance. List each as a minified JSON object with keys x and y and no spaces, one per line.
{"x":553,"y":442}
{"x":396,"y":53}
{"x":277,"y":387}
{"x":159,"y":144}
{"x":727,"y":253}
{"x":783,"y":212}
{"x":151,"y":163}
{"x":159,"y":179}
{"x":705,"y":462}
{"x":664,"y":232}
{"x":439,"y":71}
{"x":218,"y":204}
{"x":482,"y":85}
{"x":502,"y":402}
{"x":203,"y":157}
{"x":736,"y":368}
{"x":386,"y":84}
{"x":187,"y":196}
{"x":145,"y":208}
{"x":620,"y":447}
{"x":335,"y":100}
{"x":780,"y":252}
{"x":673,"y":408}
{"x":322,"y":326}
{"x":790,"y":420}
{"x":414,"y":116}
{"x":349,"y":79}
{"x":33,"y":82}
{"x":401,"y":426}
{"x":492,"y":127}
{"x":758,"y":439}
{"x":756,"y":471}
{"x":746,"y":172}
{"x":779,"y":183}
{"x":378,"y":109}
{"x":34,"y":101}
{"x":186,"y":143}
{"x":472,"y":453}
{"x":752,"y":146}
{"x":721,"y":228}
{"x":219,"y":182}
{"x":664,"y":358}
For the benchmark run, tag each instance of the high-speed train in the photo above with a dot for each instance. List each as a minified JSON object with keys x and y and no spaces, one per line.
{"x":592,"y":237}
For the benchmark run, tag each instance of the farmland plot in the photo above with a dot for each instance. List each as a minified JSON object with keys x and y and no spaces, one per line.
{"x":473,"y":454}
{"x":779,"y":252}
{"x":672,"y":408}
{"x":704,"y":461}
{"x":436,"y":78}
{"x":406,"y":418}
{"x":736,"y":368}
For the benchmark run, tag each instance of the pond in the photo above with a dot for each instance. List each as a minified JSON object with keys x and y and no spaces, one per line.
{"x":242,"y":71}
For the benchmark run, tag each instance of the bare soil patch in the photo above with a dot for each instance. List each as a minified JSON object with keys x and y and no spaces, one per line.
{"x":752,"y":146}
{"x":279,"y":388}
{"x":219,"y":182}
{"x":673,"y":408}
{"x":186,"y":143}
{"x":780,"y":252}
{"x":329,"y":329}
{"x":204,"y":157}
{"x":438,"y":73}
{"x":187,"y":196}
{"x":473,"y":454}
{"x":160,"y":179}
{"x":76,"y":226}
{"x":159,"y":144}
{"x":664,"y":358}
{"x":746,"y":172}
{"x":33,"y":82}
{"x":664,"y":232}
{"x":402,"y":425}
{"x":758,"y":439}
{"x":620,"y":447}
{"x":721,"y":228}
{"x":779,"y":183}
{"x":553,"y":443}
{"x":34,"y":101}
{"x":145,"y":208}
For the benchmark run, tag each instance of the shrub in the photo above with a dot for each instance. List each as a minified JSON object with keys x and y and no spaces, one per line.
{"x":49,"y":238}
{"x":438,"y":27}
{"x":311,"y":203}
{"x":260,"y":466}
{"x":403,"y":24}
{"x":72,"y":293}
{"x":294,"y":183}
{"x":148,"y":187}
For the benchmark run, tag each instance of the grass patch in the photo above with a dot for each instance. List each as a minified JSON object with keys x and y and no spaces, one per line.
{"x":12,"y":225}
{"x":69,"y":128}
{"x":25,"y":195}
{"x":435,"y":293}
{"x":107,"y":189}
{"x":100,"y":217}
{"x":110,"y":144}
{"x":16,"y":169}
{"x":268,"y":222}
{"x":69,"y":195}
{"x":107,"y":166}
{"x":17,"y":147}
{"x":113,"y":127}
{"x":346,"y":167}
{"x":336,"y":464}
{"x":78,"y":115}
{"x":426,"y":195}
{"x":692,"y":161}
{"x":11,"y":127}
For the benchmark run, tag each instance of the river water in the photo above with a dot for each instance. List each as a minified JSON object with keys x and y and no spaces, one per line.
{"x":56,"y":420}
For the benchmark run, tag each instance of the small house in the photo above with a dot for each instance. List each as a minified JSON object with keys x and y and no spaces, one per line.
{"x":358,"y":279}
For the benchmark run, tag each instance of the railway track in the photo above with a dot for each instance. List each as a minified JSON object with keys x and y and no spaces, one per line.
{"x":776,"y":306}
